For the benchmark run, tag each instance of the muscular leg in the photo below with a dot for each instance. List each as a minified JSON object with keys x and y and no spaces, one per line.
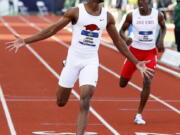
{"x":63,"y":95}
{"x":123,"y":82}
{"x":86,"y":92}
{"x":145,"y":93}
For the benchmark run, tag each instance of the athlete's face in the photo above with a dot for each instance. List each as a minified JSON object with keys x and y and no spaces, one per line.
{"x":143,"y":5}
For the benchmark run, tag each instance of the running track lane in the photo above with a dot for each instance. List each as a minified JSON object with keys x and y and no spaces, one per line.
{"x":104,"y":93}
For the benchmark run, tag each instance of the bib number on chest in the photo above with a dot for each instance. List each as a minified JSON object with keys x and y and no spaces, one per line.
{"x":145,"y":36}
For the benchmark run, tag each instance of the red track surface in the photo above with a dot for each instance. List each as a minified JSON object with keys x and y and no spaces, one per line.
{"x":29,"y":89}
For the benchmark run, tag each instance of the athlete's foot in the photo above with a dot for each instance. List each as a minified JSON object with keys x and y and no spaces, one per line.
{"x":64,"y":63}
{"x":139,"y":120}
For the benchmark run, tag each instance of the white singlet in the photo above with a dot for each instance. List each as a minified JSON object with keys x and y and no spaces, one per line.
{"x":82,"y":60}
{"x":145,"y":30}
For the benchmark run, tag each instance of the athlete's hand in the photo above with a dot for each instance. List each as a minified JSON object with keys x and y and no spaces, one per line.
{"x":16,"y":44}
{"x":145,"y":71}
{"x":160,"y":46}
{"x":128,"y":41}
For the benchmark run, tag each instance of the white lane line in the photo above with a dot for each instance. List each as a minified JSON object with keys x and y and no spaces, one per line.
{"x":92,"y":110}
{"x":108,"y":70}
{"x":7,"y":113}
{"x":147,"y":110}
{"x":111,"y":46}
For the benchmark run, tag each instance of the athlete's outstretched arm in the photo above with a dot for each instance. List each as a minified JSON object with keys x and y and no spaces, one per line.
{"x":117,"y":40}
{"x":125,"y":26}
{"x":122,"y":47}
{"x":160,"y":43}
{"x":69,"y":16}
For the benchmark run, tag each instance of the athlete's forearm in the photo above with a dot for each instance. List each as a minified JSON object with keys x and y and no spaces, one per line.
{"x":122,"y":47}
{"x":162,"y":24}
{"x":41,"y":35}
{"x":162,"y":33}
{"x":49,"y":31}
{"x":120,"y":43}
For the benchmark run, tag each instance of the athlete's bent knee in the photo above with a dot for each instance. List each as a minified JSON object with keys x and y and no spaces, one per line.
{"x":62,"y":96}
{"x":122,"y":85}
{"x":61,"y":103}
{"x":123,"y":82}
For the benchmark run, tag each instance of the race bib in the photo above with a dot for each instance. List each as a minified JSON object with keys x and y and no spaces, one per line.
{"x":145,"y":36}
{"x":89,"y":35}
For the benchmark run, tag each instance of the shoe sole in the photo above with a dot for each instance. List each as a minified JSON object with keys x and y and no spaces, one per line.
{"x":139,"y":123}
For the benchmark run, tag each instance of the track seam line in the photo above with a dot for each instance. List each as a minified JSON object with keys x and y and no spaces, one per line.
{"x":7,"y":113}
{"x":93,"y":100}
{"x":92,"y":110}
{"x":106,"y":69}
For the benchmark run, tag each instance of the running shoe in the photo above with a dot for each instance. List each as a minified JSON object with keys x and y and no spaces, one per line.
{"x":139,"y":120}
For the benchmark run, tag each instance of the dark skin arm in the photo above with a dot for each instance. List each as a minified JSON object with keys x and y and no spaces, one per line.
{"x":68,"y":17}
{"x":125,"y":26}
{"x":118,"y":41}
{"x":71,"y":15}
{"x":160,"y":42}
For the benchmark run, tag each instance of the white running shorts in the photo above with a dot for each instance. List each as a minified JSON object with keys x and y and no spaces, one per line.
{"x":84,"y":69}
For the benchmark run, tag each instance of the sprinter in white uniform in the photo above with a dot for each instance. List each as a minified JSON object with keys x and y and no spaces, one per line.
{"x":88,"y":20}
{"x":145,"y":23}
{"x":84,"y":49}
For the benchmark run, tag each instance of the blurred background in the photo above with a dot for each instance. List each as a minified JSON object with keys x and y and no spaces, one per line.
{"x":119,"y":8}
